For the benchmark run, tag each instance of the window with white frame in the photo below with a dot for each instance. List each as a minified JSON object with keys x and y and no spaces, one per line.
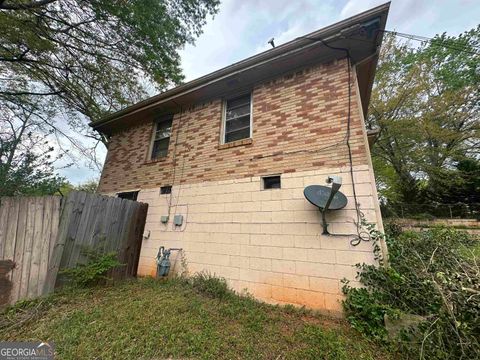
{"x":161,"y":139}
{"x":238,"y":118}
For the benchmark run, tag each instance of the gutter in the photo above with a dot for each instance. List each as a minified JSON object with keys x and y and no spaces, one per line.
{"x":141,"y":107}
{"x":241,"y":66}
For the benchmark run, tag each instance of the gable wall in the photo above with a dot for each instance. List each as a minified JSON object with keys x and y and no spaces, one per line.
{"x":299,"y":123}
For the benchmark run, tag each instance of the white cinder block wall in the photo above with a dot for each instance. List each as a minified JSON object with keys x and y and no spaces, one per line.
{"x":267,"y":242}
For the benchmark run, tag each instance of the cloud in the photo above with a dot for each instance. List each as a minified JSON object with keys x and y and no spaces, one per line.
{"x":422,"y":17}
{"x":402,"y":13}
{"x":242,"y":29}
{"x":353,"y":7}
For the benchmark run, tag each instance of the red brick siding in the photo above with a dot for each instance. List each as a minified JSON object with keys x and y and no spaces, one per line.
{"x":299,"y":123}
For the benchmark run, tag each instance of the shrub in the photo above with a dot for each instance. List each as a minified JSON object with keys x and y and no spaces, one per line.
{"x":392,"y":228}
{"x":429,"y":274}
{"x":423,"y":216}
{"x":94,"y":270}
{"x":210,"y":285}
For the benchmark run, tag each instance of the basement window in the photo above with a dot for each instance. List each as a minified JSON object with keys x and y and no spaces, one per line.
{"x":161,"y":138}
{"x":271,"y":182}
{"x":129,"y":195}
{"x":237,"y":119}
{"x":166,"y":190}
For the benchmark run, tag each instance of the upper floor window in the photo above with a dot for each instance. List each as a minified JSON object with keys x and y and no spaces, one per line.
{"x":161,"y":139}
{"x":238,"y":118}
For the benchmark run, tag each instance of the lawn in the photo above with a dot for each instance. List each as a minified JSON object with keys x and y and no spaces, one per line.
{"x":154,"y":319}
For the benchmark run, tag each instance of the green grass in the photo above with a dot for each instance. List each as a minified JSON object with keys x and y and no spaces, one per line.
{"x":152,"y":319}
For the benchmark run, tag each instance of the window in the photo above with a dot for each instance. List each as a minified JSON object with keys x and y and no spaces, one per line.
{"x":272,"y":182}
{"x":130,"y":195}
{"x":237,"y":119}
{"x":166,"y":190}
{"x":163,"y":129}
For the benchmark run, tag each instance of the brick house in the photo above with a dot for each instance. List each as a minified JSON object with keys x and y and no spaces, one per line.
{"x":232,"y":152}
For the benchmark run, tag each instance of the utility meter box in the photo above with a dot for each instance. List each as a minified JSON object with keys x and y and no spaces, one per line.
{"x":178,"y":220}
{"x":164,"y":219}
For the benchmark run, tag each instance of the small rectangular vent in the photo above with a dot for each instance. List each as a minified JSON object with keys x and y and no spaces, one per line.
{"x":166,"y":190}
{"x":129,"y":195}
{"x":272,"y":182}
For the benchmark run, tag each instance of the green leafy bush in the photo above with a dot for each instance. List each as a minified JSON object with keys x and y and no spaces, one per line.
{"x":94,"y":270}
{"x":423,"y":216}
{"x":210,"y":285}
{"x":392,"y":228}
{"x":434,"y":274}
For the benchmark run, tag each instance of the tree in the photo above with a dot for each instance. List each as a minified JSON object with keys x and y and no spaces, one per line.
{"x":94,"y":57}
{"x":25,"y":157}
{"x":460,"y":185}
{"x":426,"y":103}
{"x":78,"y":60}
{"x":90,"y":186}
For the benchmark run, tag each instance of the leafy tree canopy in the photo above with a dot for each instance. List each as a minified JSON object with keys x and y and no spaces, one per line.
{"x":426,"y":103}
{"x":95,"y":56}
{"x":90,"y":186}
{"x":26,"y":158}
{"x":66,"y":62}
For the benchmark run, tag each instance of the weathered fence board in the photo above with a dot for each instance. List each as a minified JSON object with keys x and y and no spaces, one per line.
{"x":19,"y":247}
{"x":3,"y":228}
{"x":27,"y":249}
{"x":40,"y":236}
{"x":27,"y":230}
{"x":58,"y":248}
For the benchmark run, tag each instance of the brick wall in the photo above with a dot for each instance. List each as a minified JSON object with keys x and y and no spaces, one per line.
{"x":299,"y":123}
{"x":268,"y":242}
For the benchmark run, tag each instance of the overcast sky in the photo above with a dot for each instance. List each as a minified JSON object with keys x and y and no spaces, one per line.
{"x":242,"y":28}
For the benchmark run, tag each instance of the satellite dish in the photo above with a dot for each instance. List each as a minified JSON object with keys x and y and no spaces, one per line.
{"x":326,"y":198}
{"x":318,"y":195}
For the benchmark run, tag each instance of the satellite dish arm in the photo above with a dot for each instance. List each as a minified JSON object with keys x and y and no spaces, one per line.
{"x":324,"y":223}
{"x":334,"y":190}
{"x":336,"y":183}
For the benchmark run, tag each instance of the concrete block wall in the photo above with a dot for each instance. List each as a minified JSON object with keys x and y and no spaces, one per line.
{"x":268,"y":242}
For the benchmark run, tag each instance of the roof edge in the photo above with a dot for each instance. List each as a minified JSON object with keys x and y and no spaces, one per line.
{"x":326,"y":33}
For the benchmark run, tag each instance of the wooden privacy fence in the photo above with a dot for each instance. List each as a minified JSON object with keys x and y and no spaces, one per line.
{"x":41,"y":235}
{"x":28,"y":232}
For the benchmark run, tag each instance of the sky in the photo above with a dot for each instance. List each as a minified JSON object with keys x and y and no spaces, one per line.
{"x":242,"y":28}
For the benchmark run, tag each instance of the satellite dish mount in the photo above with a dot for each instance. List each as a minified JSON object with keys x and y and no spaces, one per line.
{"x":326,"y":198}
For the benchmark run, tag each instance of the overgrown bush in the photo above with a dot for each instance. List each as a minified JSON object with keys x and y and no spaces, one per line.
{"x":94,"y":270}
{"x":392,"y":229}
{"x":434,"y":274}
{"x":210,"y":285}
